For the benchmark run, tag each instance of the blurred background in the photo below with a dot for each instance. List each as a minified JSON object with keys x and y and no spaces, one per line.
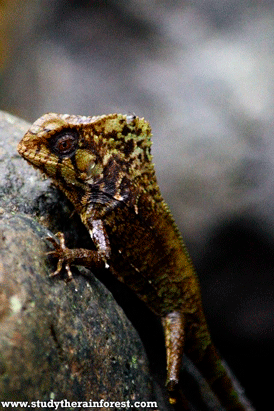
{"x":202,"y":73}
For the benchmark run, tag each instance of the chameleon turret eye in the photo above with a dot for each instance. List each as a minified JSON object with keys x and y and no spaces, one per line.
{"x":65,"y":144}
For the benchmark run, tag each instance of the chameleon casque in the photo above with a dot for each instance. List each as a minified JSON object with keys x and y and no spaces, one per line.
{"x":104,"y":166}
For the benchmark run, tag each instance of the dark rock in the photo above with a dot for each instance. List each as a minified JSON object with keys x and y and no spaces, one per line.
{"x":62,"y":340}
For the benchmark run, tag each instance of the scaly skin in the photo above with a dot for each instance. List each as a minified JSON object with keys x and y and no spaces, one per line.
{"x":104,"y":166}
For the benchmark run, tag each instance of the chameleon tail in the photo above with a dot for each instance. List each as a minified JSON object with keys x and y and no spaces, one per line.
{"x":216,"y":374}
{"x":203,"y":354}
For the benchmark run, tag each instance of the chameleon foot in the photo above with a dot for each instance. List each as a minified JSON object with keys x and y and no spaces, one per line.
{"x":62,"y":253}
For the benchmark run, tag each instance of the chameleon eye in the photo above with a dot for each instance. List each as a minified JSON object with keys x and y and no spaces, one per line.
{"x":65,"y":144}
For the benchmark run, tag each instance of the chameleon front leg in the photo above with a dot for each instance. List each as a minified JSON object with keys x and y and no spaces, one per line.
{"x":81,"y":256}
{"x":174,"y":329}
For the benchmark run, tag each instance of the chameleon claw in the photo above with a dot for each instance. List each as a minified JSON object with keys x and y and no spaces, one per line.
{"x":56,"y":245}
{"x":59,"y":266}
{"x":61,"y":238}
{"x":69,"y":273}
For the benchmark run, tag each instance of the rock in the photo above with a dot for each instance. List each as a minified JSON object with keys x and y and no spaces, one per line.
{"x":61,"y":340}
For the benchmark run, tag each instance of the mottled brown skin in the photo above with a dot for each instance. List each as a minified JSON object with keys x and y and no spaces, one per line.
{"x":104,"y":166}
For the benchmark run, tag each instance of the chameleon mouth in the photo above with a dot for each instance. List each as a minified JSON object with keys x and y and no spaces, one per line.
{"x":36,"y":158}
{"x":49,"y":164}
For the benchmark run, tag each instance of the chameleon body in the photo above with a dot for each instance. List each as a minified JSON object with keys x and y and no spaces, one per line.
{"x":104,"y":166}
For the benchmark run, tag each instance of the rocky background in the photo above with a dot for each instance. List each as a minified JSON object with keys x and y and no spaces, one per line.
{"x":202,"y":73}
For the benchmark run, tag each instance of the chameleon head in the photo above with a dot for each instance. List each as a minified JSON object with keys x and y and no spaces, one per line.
{"x":54,"y":144}
{"x":79,"y":152}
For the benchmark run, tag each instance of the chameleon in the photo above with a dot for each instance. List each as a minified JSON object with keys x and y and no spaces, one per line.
{"x":103,"y":164}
